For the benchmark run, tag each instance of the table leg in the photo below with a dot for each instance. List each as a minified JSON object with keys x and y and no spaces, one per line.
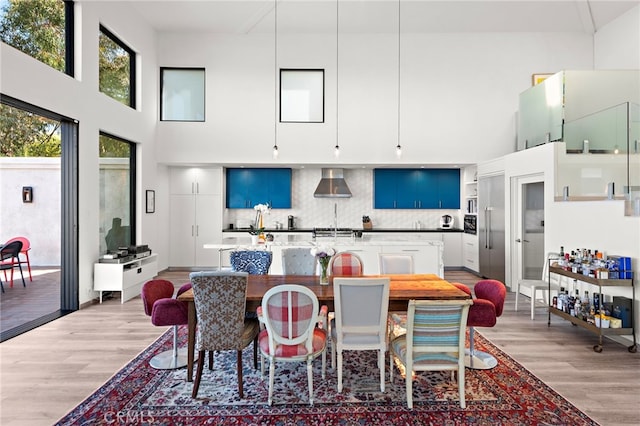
{"x":191,"y":340}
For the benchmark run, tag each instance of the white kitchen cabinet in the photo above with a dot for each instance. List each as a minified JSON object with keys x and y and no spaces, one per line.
{"x":427,"y":258}
{"x":452,"y":249}
{"x":470,"y":252}
{"x":195,"y":204}
{"x":127,"y":277}
{"x":195,"y":180}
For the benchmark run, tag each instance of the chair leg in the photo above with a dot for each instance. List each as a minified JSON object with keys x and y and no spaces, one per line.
{"x":1,"y":286}
{"x":29,"y":266}
{"x":310,"y":379}
{"x":196,"y":382}
{"x":533,"y":301}
{"x":409,"y":388}
{"x":515,"y":309}
{"x":210,"y":360}
{"x":255,"y":353}
{"x":339,"y":369}
{"x":272,"y":373}
{"x":463,"y":403}
{"x":240,"y":390}
{"x":381,"y":367}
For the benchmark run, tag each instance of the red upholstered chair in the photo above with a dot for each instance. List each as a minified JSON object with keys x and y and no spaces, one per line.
{"x":487,"y":307}
{"x":164,"y":309}
{"x":26,"y":246}
{"x":345,"y":264}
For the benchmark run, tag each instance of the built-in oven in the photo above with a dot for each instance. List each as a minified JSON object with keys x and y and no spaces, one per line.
{"x":470,"y":221}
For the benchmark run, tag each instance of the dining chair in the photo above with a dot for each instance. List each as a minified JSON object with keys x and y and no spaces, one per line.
{"x":345,"y":264}
{"x":295,"y":330}
{"x":9,"y":260}
{"x":256,"y":262}
{"x":220,"y":300}
{"x":298,"y":261}
{"x":488,"y":305}
{"x":26,"y":246}
{"x":434,"y":341}
{"x":542,"y":285}
{"x":360,"y":321}
{"x":164,"y":309}
{"x":395,"y":263}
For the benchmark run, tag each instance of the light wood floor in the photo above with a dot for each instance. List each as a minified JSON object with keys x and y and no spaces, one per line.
{"x":48,"y":371}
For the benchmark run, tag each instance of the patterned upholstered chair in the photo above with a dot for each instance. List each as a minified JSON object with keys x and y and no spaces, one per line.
{"x":487,"y":307}
{"x":345,"y":264}
{"x":434,"y":341}
{"x":298,"y":261}
{"x":220,"y":300}
{"x":291,"y":314}
{"x":164,"y":309}
{"x":255,"y":262}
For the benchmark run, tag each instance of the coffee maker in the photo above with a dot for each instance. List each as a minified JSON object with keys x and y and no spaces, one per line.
{"x":291,"y":223}
{"x":446,"y":221}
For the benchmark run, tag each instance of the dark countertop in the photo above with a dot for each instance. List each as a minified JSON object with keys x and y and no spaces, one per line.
{"x":368,"y":231}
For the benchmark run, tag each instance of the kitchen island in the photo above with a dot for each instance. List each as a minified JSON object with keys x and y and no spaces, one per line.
{"x":427,"y":253}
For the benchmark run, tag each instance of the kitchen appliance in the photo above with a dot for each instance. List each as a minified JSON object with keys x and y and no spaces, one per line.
{"x":491,"y":226}
{"x":470,"y":221}
{"x":332,"y":185}
{"x":291,"y":222}
{"x":446,"y":221}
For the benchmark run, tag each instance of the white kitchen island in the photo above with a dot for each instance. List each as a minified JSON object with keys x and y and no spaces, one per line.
{"x":427,"y":254}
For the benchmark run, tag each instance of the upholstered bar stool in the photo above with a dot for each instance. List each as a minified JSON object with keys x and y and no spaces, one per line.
{"x":487,"y":307}
{"x":164,"y":309}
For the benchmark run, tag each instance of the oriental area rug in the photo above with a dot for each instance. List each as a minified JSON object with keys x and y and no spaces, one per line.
{"x":140,"y":395}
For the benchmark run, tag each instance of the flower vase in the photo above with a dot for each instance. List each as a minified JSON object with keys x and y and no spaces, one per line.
{"x":324,"y":277}
{"x":254,"y":239}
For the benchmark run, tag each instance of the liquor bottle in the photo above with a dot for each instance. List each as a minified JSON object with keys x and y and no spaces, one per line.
{"x":577,"y":308}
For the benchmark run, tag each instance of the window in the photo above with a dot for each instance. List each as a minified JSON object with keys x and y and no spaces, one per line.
{"x":117,"y":69}
{"x":117,"y":193}
{"x":182,"y":94}
{"x":43,"y":29}
{"x":302,"y":96}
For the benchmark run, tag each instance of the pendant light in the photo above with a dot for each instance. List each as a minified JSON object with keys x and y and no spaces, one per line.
{"x":336,"y":150}
{"x":275,"y":91}
{"x":399,"y":147}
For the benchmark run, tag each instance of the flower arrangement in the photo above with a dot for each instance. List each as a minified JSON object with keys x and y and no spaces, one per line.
{"x":261,"y":210}
{"x":323,"y":254}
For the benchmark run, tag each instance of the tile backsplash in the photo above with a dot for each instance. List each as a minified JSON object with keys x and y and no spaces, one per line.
{"x":312,"y":212}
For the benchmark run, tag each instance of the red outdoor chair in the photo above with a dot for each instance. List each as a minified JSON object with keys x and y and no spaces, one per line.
{"x":26,"y":246}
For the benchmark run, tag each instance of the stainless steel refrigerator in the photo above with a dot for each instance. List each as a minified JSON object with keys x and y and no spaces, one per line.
{"x":491,"y":224}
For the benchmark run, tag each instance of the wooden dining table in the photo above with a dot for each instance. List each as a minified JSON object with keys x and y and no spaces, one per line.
{"x":402,"y":288}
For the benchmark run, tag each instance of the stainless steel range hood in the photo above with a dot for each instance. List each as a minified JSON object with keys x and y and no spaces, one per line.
{"x":332,"y":185}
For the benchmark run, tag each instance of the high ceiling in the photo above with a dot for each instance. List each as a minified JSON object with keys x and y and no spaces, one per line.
{"x":380,"y":16}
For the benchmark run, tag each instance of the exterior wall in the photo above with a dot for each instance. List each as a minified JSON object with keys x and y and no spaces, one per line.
{"x":38,"y":221}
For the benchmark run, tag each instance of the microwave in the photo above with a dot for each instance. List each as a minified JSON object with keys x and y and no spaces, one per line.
{"x":470,"y":221}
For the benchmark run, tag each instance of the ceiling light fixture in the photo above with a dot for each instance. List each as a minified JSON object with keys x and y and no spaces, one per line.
{"x":336,"y":150}
{"x":275,"y":91}
{"x":398,"y":146}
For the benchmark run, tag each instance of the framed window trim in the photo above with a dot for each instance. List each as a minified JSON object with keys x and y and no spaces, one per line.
{"x":315,"y":109}
{"x":162,"y":97}
{"x":132,"y":64}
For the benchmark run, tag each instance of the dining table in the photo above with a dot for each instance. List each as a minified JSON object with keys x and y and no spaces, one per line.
{"x":402,"y":288}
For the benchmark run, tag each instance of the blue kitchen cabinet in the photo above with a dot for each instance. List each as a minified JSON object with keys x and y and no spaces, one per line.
{"x":416,"y":189}
{"x":250,"y":186}
{"x":448,"y":188}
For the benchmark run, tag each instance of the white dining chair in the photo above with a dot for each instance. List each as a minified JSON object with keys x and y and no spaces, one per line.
{"x":360,"y":321}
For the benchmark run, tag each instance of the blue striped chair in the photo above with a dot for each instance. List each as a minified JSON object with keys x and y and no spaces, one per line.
{"x":434,"y":341}
{"x":254,"y":262}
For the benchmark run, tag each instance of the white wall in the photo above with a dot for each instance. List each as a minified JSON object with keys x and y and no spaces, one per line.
{"x":459,"y":96}
{"x":617,"y":45}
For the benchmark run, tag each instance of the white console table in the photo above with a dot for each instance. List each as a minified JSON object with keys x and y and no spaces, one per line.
{"x":127,"y":277}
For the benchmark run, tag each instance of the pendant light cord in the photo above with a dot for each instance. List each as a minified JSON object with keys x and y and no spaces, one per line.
{"x":275,"y":82}
{"x":337,"y":148}
{"x":399,"y":147}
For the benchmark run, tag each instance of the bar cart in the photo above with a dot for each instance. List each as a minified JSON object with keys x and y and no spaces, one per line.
{"x":599,"y":330}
